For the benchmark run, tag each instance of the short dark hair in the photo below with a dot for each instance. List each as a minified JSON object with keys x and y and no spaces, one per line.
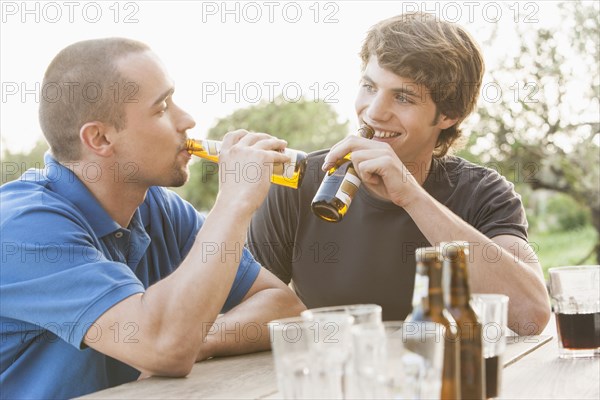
{"x":439,"y":55}
{"x":82,"y":84}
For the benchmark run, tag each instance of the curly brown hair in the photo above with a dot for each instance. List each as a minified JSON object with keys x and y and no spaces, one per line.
{"x":439,"y":55}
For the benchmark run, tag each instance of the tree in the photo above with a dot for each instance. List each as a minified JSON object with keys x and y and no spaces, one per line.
{"x":15,"y":164}
{"x":306,"y":125}
{"x":548,"y":135}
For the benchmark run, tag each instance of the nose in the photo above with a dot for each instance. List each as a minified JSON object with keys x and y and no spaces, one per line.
{"x":378,"y":109}
{"x":185,"y":122}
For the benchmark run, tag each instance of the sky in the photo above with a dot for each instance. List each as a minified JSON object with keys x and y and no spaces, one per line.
{"x":226,"y":55}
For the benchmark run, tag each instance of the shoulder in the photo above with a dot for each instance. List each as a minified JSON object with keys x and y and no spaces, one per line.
{"x":169,"y":205}
{"x":32,"y":194}
{"x":33,"y":213}
{"x":317,"y":156}
{"x":162,"y":199}
{"x":314,"y":175}
{"x":462,"y":172}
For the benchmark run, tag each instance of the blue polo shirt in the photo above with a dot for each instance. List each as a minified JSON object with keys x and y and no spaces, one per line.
{"x":64,"y":262}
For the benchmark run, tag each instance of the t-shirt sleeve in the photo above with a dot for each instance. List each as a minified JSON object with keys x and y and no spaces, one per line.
{"x":271,"y":233}
{"x":497,"y":208}
{"x":53,"y":275}
{"x":187,"y":222}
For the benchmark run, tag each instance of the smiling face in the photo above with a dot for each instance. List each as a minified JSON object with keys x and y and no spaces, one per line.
{"x":401,"y":112}
{"x":155,"y":131}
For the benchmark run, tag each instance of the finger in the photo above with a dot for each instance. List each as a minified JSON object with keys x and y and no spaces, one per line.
{"x":350,"y":144}
{"x":271,"y":143}
{"x":233,"y":137}
{"x":368,"y":167}
{"x":253,"y":137}
{"x":377,"y":161}
{"x":278,"y":157}
{"x":263,"y":141}
{"x":362,"y":155}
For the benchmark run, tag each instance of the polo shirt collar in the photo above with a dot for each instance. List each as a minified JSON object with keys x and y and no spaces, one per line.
{"x":64,"y":182}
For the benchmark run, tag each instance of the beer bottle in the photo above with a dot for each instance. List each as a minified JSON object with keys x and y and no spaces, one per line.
{"x":456,"y":287}
{"x":339,"y":186}
{"x":285,"y":174}
{"x":428,"y":305}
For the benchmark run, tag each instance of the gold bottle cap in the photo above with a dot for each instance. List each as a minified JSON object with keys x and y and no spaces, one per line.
{"x":455,"y":249}
{"x":427,"y":254}
{"x":366,"y":131}
{"x":189,"y":145}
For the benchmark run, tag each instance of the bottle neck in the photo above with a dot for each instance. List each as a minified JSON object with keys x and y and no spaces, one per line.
{"x":207,"y":149}
{"x":433,"y":300}
{"x":459,"y":291}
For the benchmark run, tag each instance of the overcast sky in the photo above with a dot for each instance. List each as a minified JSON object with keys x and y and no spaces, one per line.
{"x":226,"y":55}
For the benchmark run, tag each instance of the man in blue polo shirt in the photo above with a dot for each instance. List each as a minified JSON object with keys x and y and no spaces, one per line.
{"x":105,"y":274}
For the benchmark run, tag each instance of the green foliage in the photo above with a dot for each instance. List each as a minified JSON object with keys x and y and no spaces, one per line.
{"x":569,"y":214}
{"x":305,"y":125}
{"x":15,"y":164}
{"x":556,"y":249}
{"x":546,"y":135}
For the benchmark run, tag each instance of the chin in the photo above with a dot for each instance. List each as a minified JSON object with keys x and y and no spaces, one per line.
{"x":179,"y":178}
{"x":180,"y":181}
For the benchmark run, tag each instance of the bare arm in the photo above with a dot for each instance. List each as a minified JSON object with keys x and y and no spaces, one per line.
{"x":504,"y":264}
{"x":244,"y":328}
{"x":174,"y":315}
{"x":513,"y":270}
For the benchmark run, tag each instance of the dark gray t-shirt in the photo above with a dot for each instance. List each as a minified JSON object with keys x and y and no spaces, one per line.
{"x":369,"y":257}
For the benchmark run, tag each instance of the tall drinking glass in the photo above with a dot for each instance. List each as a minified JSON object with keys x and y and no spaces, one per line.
{"x":492,"y":310}
{"x":311,"y":356}
{"x":362,"y":314}
{"x":399,"y":360}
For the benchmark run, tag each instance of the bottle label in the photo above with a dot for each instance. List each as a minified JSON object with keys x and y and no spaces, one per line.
{"x":421,"y":290}
{"x":213,"y":147}
{"x":349,"y":186}
{"x":286,"y":170}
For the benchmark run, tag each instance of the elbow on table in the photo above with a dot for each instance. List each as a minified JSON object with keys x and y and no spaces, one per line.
{"x":296,"y":306}
{"x":533,"y":320}
{"x":283,"y":302}
{"x":172,"y":359}
{"x":542,"y":317}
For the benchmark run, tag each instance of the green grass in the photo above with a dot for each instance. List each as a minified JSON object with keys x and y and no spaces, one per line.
{"x":555,"y":249}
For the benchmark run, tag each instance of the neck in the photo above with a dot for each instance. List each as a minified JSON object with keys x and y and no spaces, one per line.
{"x":119,"y":199}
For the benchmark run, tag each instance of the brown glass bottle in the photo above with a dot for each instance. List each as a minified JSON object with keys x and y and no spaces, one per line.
{"x":288,"y":174}
{"x":339,"y":186}
{"x":428,"y":305}
{"x":456,"y":288}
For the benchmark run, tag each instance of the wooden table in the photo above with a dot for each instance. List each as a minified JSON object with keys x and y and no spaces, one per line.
{"x":542,"y":375}
{"x":532,"y":371}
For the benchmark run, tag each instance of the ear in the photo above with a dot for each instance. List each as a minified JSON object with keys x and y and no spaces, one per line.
{"x":445,"y":122}
{"x":96,"y":139}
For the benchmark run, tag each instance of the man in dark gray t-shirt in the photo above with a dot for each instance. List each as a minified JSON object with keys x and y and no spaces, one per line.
{"x":420,"y":79}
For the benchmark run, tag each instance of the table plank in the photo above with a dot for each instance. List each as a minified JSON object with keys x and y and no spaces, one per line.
{"x":249,"y":376}
{"x":518,"y":347}
{"x":533,"y":371}
{"x":543,"y":375}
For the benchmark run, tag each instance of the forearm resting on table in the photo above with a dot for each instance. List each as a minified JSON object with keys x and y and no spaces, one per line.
{"x":505,"y":264}
{"x":244,"y":328}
